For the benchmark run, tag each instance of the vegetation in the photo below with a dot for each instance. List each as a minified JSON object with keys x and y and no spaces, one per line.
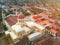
{"x":4,"y":26}
{"x":1,"y":34}
{"x":15,"y":1}
{"x":9,"y":12}
{"x":0,"y":17}
{"x":6,"y":14}
{"x":25,"y":13}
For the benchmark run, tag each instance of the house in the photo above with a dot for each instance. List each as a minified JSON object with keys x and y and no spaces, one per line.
{"x":35,"y":17}
{"x":45,"y":41}
{"x":11,"y":20}
{"x":46,"y":22}
{"x":41,"y":16}
{"x":34,"y":25}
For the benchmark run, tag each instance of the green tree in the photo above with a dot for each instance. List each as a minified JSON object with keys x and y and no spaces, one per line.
{"x":0,"y":17}
{"x":25,"y":13}
{"x":9,"y":12}
{"x":15,"y":1}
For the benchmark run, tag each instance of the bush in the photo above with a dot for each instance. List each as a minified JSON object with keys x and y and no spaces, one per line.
{"x":9,"y":12}
{"x":5,"y":28}
{"x":0,"y":17}
{"x":25,"y":13}
{"x":1,"y":34}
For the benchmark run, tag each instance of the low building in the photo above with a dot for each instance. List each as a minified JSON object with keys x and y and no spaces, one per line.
{"x":11,"y":20}
{"x":34,"y":36}
{"x":13,"y":37}
{"x":35,"y":26}
{"x":7,"y":33}
{"x":18,"y":30}
{"x":45,"y":41}
{"x":27,"y":30}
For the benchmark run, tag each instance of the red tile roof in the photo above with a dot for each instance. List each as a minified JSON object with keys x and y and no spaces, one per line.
{"x":43,"y":15}
{"x":45,"y":41}
{"x":58,"y":27}
{"x":21,"y":16}
{"x":37,"y":16}
{"x":54,"y":26}
{"x":46,"y":22}
{"x":53,"y":31}
{"x":11,"y":20}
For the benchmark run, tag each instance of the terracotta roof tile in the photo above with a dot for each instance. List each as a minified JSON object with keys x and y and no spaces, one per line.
{"x":46,"y":41}
{"x":11,"y":20}
{"x":53,"y":31}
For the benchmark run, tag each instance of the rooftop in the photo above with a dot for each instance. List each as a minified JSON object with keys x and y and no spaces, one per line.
{"x":11,"y":20}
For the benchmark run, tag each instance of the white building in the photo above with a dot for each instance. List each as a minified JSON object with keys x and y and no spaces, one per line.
{"x":27,"y":30}
{"x":34,"y":36}
{"x":18,"y":30}
{"x":35,"y":25}
{"x":13,"y":36}
{"x":30,"y":23}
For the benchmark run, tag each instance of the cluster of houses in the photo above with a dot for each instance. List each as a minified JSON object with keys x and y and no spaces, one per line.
{"x":33,"y":29}
{"x":17,"y":30}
